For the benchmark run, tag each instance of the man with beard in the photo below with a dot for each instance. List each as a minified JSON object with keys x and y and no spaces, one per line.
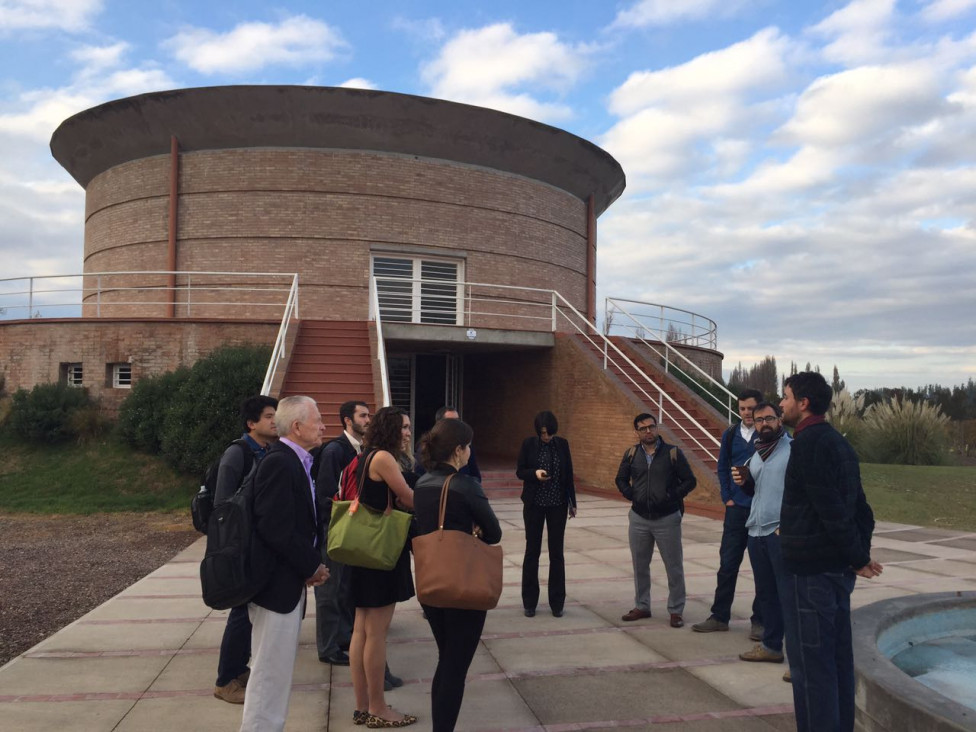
{"x":333,"y":608}
{"x":762,"y":478}
{"x":655,"y":477}
{"x":825,"y":530}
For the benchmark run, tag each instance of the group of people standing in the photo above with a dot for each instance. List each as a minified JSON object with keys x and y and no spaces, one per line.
{"x":794,"y":503}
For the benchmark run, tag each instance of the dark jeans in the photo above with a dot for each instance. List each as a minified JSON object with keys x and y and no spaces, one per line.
{"x":767,"y":570}
{"x":817,"y":611}
{"x":334,"y":612}
{"x":235,"y":647}
{"x":457,"y":633}
{"x":554,"y":518}
{"x":730,"y":553}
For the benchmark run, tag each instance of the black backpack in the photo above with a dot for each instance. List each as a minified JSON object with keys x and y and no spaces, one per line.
{"x":236,"y":564}
{"x":201,"y":505}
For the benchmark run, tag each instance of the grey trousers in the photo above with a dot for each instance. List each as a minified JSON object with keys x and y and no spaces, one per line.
{"x":643,"y":533}
{"x":334,"y":612}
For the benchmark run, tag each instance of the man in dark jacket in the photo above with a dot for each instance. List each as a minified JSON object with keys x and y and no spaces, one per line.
{"x":737,"y":447}
{"x":825,"y":534}
{"x":655,"y":477}
{"x":333,"y":600}
{"x":288,"y":526}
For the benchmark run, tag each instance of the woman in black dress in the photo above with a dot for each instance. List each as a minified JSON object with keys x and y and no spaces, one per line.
{"x":444,"y":451}
{"x":548,"y":499}
{"x":375,"y":592}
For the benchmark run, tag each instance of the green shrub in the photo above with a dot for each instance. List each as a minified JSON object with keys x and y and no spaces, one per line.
{"x":140,"y":422}
{"x":88,"y":424}
{"x":203,"y":414}
{"x":44,"y":413}
{"x":903,"y":432}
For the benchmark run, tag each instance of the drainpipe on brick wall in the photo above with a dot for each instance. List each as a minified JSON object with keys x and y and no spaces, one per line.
{"x":174,"y":180}
{"x":591,"y":260}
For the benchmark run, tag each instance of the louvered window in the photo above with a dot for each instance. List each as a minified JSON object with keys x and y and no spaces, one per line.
{"x":418,"y":290}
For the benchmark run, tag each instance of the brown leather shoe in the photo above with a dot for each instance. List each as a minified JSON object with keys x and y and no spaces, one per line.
{"x":636,"y":614}
{"x":677,"y":621}
{"x":232,"y":693}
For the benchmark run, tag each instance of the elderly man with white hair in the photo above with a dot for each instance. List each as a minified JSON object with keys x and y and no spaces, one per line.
{"x":287,"y":524}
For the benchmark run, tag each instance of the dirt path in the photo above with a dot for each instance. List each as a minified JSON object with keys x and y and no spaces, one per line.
{"x":54,"y":569}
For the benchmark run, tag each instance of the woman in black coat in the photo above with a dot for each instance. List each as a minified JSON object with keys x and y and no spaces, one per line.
{"x":444,"y":451}
{"x":549,"y":498}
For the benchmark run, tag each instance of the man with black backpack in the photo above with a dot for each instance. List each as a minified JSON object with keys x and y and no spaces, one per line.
{"x":239,"y":459}
{"x":655,"y":477}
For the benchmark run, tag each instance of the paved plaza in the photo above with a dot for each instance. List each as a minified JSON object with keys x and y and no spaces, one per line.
{"x":146,"y":659}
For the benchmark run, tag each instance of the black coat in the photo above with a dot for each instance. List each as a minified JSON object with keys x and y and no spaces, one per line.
{"x":528,"y":463}
{"x":657,"y":490}
{"x":285,"y":522}
{"x":825,"y":523}
{"x":466,"y":505}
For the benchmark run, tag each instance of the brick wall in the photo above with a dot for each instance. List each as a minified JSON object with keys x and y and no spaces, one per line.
{"x":503,"y":393}
{"x":321,"y":212}
{"x":32,"y":351}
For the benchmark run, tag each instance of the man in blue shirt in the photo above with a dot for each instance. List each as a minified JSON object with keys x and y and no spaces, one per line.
{"x":738,"y":446}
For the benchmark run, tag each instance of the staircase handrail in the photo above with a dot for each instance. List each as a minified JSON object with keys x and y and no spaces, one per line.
{"x":380,"y":344}
{"x":607,"y":343}
{"x":278,"y":351}
{"x":669,"y":350}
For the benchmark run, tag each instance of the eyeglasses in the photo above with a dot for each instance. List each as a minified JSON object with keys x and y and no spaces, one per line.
{"x":767,"y":420}
{"x":647,"y":428}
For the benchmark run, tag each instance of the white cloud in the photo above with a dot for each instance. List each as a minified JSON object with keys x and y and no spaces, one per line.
{"x":358,"y":82}
{"x":859,"y":104}
{"x":697,"y":114}
{"x":295,"y":41}
{"x":496,"y":67}
{"x":646,"y":13}
{"x":858,"y":32}
{"x":939,"y":11}
{"x":66,"y":15}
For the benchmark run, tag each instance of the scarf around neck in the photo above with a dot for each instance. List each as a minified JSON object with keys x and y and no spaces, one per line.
{"x":766,"y":446}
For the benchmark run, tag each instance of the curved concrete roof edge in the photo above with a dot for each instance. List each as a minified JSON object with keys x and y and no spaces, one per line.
{"x":224,"y":117}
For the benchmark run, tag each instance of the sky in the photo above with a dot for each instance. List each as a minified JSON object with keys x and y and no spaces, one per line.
{"x":802,"y":173}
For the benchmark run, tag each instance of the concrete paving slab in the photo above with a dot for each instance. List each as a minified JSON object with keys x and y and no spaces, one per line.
{"x":66,"y":715}
{"x":113,"y":636}
{"x":149,"y":609}
{"x":623,"y":694}
{"x":967,"y":542}
{"x":925,"y":535}
{"x":611,"y":648}
{"x":761,"y":685}
{"x":88,"y":675}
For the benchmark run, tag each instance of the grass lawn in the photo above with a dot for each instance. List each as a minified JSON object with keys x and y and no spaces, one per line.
{"x":83,"y":479}
{"x":937,"y":496}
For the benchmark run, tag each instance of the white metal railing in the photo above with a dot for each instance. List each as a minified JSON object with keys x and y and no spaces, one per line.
{"x":473,"y":304}
{"x":278,"y":352}
{"x":662,"y":344}
{"x":600,"y":341}
{"x":374,"y":306}
{"x":101,"y":294}
{"x":674,"y":325}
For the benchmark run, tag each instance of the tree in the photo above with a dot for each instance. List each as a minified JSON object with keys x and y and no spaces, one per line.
{"x":762,"y":376}
{"x":837,"y":384}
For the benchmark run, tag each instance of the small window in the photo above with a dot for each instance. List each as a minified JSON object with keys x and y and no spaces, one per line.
{"x":72,"y":374}
{"x":121,"y":375}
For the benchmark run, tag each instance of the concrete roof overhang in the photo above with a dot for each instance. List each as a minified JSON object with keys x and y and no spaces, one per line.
{"x":227,"y":117}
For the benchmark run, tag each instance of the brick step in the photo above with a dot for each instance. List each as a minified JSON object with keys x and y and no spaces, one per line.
{"x":326,"y":367}
{"x":331,"y":325}
{"x":338,"y":342}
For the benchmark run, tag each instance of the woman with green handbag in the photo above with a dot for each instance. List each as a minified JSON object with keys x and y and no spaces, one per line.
{"x":375,"y":592}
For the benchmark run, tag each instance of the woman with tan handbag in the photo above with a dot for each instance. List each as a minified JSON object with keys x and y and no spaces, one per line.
{"x":445,"y":450}
{"x":375,"y":592}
